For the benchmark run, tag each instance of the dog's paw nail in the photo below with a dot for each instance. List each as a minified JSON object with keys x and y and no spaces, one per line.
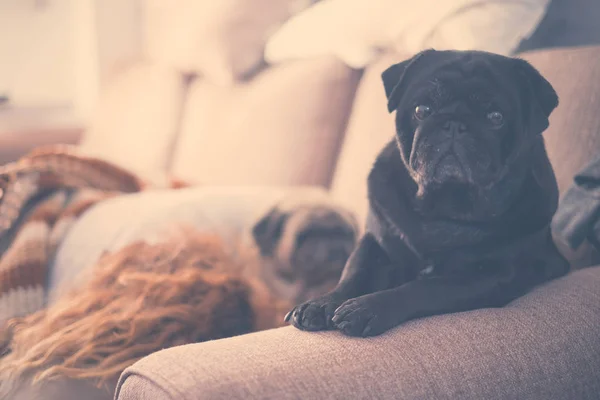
{"x":342,"y":325}
{"x":287,"y":316}
{"x":367,"y":331}
{"x":335,"y":318}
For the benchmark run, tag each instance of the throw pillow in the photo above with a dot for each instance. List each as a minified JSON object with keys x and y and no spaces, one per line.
{"x":136,"y":120}
{"x":356,"y":30}
{"x":221,"y":39}
{"x":282,"y":128}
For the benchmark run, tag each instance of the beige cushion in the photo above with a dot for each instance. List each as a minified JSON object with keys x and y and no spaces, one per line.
{"x":369,"y":129}
{"x":153,"y":215}
{"x":282,"y":128}
{"x":222,"y":39}
{"x":573,"y":138}
{"x":137,"y":119}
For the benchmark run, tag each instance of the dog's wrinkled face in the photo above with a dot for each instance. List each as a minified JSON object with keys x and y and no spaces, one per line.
{"x":304,"y":249}
{"x":463,"y":119}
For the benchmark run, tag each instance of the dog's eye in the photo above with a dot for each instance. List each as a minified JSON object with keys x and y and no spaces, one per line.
{"x":496,"y":118}
{"x":422,"y":112}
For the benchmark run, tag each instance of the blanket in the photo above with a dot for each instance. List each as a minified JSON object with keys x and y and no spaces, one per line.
{"x":41,"y":195}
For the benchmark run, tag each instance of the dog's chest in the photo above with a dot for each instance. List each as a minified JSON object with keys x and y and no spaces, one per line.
{"x":436,"y":236}
{"x":425,"y":237}
{"x":432,"y":246}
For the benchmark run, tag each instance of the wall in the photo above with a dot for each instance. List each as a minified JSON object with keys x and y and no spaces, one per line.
{"x":56,"y":54}
{"x":35,"y":64}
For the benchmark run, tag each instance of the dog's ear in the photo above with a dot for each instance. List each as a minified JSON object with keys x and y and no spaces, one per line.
{"x":268,"y":231}
{"x":542,"y":96}
{"x":394,"y":77}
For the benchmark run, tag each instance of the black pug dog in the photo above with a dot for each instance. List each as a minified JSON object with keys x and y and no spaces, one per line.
{"x":460,"y":200}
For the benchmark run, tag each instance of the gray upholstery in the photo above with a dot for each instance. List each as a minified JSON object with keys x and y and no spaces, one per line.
{"x":545,"y":345}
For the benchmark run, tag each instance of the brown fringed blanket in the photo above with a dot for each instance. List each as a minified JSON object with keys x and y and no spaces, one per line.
{"x":41,"y":195}
{"x":140,"y":299}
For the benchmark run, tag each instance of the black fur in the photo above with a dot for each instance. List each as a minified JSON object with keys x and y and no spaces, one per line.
{"x":459,"y":206}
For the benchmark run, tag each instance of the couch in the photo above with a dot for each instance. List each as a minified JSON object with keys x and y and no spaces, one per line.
{"x":542,"y":346}
{"x":318,"y":122}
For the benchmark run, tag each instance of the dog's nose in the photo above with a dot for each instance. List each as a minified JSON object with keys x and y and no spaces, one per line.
{"x":455,"y":128}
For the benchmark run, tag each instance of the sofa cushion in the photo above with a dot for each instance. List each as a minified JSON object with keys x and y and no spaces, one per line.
{"x":573,"y":138}
{"x":357,"y":30}
{"x":137,"y":118}
{"x":370,"y":127}
{"x":284,"y":127}
{"x":542,"y":346}
{"x":222,"y":40}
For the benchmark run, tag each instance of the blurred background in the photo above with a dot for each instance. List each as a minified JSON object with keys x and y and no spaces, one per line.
{"x":193,"y":88}
{"x":54,"y":57}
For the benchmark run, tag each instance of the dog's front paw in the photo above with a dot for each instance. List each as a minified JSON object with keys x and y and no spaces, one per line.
{"x":364,"y":316}
{"x":314,"y":315}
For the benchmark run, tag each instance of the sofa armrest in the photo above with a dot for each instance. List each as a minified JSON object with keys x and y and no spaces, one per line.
{"x":542,"y":346}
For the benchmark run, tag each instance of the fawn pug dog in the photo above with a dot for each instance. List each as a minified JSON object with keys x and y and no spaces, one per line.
{"x":304,"y":241}
{"x":460,"y":200}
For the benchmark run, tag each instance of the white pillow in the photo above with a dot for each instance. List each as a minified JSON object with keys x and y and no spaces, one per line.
{"x":151,"y":216}
{"x":282,"y":127}
{"x":356,"y":30}
{"x":222,"y":40}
